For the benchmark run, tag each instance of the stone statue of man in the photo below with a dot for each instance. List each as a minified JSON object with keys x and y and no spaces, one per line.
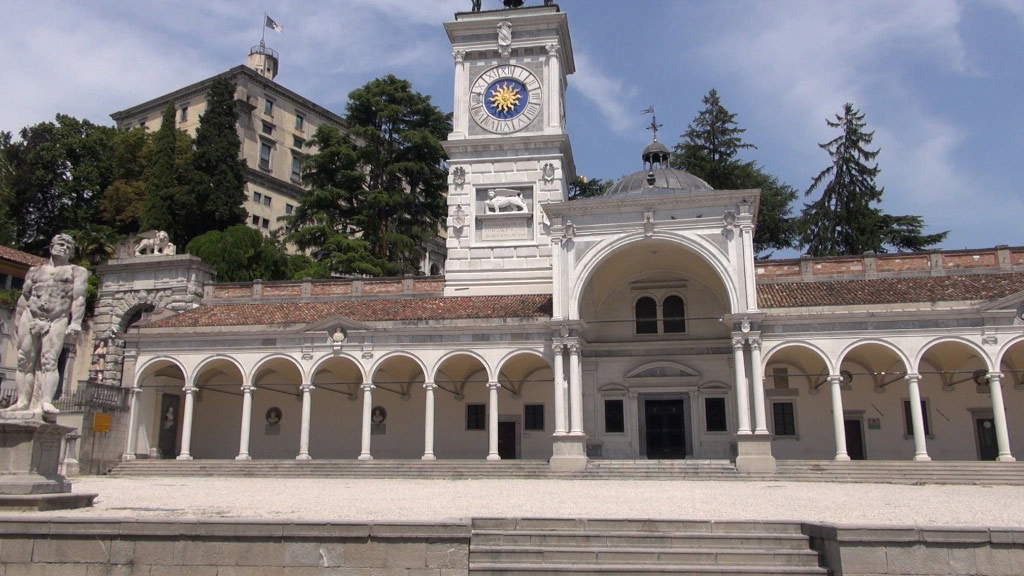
{"x":50,"y":309}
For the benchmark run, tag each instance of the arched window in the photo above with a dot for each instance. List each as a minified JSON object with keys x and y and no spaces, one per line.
{"x":646,"y":316}
{"x":674,"y":312}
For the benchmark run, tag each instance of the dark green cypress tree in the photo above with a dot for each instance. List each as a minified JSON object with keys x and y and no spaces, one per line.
{"x":219,"y":184}
{"x":169,"y":205}
{"x":844,"y":219}
{"x":709,"y":150}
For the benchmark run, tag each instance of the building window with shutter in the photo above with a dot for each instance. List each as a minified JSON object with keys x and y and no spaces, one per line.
{"x":476,"y":416}
{"x":614,"y":420}
{"x":783,"y":419}
{"x":714,"y":415}
{"x":533,"y":417}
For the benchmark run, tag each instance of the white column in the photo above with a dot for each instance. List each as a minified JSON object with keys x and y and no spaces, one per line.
{"x":995,"y":386}
{"x":748,"y":265}
{"x":917,"y":418}
{"x":461,"y":112}
{"x":742,"y":399}
{"x":243,"y":437}
{"x":492,"y":421}
{"x":556,"y":278}
{"x":554,"y":87}
{"x":186,"y":423}
{"x":428,"y":427}
{"x":307,"y":405}
{"x":559,"y":370}
{"x":133,"y":419}
{"x":575,"y":390}
{"x":364,"y":451}
{"x":835,"y":383}
{"x":757,"y":382}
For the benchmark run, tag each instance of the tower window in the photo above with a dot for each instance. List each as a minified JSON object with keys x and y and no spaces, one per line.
{"x":296,"y":168}
{"x":300,"y":122}
{"x":183,"y":114}
{"x":268,"y":106}
{"x":674,"y":312}
{"x":268,"y":128}
{"x":646,"y":316}
{"x":265,"y":151}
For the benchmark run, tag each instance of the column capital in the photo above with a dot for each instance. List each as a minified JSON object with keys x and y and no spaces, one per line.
{"x":190,"y":389}
{"x":558,"y":347}
{"x":367,"y":386}
{"x":307,"y":387}
{"x":574,"y":348}
{"x":913,"y":378}
{"x":552,"y":48}
{"x":737,"y":342}
{"x":248,"y":388}
{"x":429,"y":386}
{"x":459,"y":55}
{"x":835,"y":379}
{"x":493,"y":385}
{"x":136,"y":389}
{"x":997,"y":376}
{"x":755,"y":342}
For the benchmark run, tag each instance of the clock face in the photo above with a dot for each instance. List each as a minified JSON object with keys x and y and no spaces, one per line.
{"x":505,"y":99}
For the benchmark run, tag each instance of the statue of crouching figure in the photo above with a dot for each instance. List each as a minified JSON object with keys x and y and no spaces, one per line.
{"x":50,"y":309}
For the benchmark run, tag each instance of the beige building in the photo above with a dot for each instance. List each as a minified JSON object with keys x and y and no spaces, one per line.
{"x":275,"y":125}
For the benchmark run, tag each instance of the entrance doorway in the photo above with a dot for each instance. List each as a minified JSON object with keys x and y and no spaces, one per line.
{"x":854,"y":438}
{"x":985,"y":428}
{"x":169,"y":419}
{"x":665,"y":428}
{"x":508,"y":440}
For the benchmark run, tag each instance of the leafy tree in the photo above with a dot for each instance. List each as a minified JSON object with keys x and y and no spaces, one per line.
{"x":709,"y":150}
{"x":57,"y":173}
{"x":377,"y":193}
{"x":121,"y":205}
{"x":241,"y":254}
{"x":219,"y":176}
{"x":168,"y":204}
{"x":844,"y":219}
{"x":583,"y":187}
{"x":7,"y":224}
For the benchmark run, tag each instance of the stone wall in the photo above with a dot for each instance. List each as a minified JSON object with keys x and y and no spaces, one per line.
{"x":874,"y":551}
{"x":66,"y":547}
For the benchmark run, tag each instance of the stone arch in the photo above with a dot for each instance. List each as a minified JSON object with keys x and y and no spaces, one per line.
{"x":396,"y":354}
{"x":877,"y":341}
{"x":517,"y":352}
{"x":957,"y":339}
{"x":251,"y":377}
{"x":769,"y":355}
{"x":194,"y":376}
{"x":1001,"y":356}
{"x":461,"y":352}
{"x":593,"y":258}
{"x":155,"y":360}
{"x":342,"y":355}
{"x":131,"y":303}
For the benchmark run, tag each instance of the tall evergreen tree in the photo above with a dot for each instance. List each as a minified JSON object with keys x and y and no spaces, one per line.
{"x":219,"y":173}
{"x":377,"y":194}
{"x":169,"y":205}
{"x":709,"y":149}
{"x":845,"y":220}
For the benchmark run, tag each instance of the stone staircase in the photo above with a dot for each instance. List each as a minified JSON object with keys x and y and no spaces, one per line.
{"x":534,"y":547}
{"x":412,"y":469}
{"x":897,"y":472}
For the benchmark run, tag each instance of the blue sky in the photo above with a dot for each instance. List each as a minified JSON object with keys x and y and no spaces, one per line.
{"x":939,"y":80}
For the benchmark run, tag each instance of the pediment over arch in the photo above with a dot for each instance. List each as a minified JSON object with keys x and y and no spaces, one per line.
{"x":662,"y":369}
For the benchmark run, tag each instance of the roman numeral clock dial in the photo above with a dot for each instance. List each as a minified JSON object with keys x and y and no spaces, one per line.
{"x":505,"y":99}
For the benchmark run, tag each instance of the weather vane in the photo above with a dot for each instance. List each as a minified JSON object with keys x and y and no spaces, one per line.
{"x":654,"y":121}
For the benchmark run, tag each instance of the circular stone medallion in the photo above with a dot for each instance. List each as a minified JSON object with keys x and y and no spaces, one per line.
{"x":505,"y":99}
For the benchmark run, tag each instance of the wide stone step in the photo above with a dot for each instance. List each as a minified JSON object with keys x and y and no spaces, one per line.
{"x":514,"y":569}
{"x":639,"y":539}
{"x":633,"y":525}
{"x":625,"y":555}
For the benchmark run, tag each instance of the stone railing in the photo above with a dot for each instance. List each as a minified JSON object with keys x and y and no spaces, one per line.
{"x":323,"y":289}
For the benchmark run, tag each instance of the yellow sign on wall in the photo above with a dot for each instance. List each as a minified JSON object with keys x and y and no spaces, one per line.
{"x":101,"y":422}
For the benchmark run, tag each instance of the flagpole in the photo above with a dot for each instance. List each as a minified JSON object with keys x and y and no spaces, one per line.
{"x":263,"y":30}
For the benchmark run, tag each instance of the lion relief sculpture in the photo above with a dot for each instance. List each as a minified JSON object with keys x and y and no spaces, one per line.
{"x":510,"y":199}
{"x":156,"y":243}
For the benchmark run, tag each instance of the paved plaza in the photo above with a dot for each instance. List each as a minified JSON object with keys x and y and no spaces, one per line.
{"x":446,"y":500}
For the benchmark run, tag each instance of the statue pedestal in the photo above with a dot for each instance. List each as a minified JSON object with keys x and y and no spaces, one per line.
{"x":754,"y":454}
{"x":30,"y":465}
{"x":569,"y":453}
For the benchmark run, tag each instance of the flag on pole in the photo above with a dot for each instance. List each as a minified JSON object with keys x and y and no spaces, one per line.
{"x":270,"y":23}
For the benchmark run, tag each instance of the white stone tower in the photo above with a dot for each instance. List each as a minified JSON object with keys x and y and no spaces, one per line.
{"x":509,"y":150}
{"x":264,"y":60}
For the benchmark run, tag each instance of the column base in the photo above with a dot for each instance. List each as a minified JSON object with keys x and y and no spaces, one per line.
{"x":493,"y":458}
{"x":365,"y":457}
{"x":842,"y":458}
{"x":569,"y":453}
{"x":754,"y":454}
{"x":126,"y":457}
{"x":304,"y":457}
{"x":243,"y":457}
{"x":922,"y":458}
{"x":1005,"y":458}
{"x":429,"y":457}
{"x":183,"y":457}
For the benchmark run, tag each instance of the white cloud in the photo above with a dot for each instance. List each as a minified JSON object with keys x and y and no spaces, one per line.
{"x":611,"y":96}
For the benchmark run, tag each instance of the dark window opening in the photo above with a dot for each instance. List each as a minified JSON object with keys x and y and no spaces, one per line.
{"x":910,"y":421}
{"x":614,"y":422}
{"x":784,"y":419}
{"x":646,"y":316}
{"x":714,"y":414}
{"x":533,"y":417}
{"x":476,"y":416}
{"x":674,"y":312}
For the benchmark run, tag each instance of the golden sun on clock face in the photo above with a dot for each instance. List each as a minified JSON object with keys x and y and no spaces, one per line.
{"x":505,"y":99}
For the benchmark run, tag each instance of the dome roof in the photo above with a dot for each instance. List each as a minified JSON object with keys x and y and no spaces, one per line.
{"x":655,"y":148}
{"x":666,"y":181}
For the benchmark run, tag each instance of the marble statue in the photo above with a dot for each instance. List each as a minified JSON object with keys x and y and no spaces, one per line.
{"x":50,"y":309}
{"x":158,"y":244}
{"x":495,"y":202}
{"x":476,"y":5}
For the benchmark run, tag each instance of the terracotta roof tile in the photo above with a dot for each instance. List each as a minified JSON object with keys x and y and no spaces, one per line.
{"x":970,"y":287}
{"x":8,"y":253}
{"x":366,"y":310}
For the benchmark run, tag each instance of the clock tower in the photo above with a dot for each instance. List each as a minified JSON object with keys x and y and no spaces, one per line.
{"x":508,"y":151}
